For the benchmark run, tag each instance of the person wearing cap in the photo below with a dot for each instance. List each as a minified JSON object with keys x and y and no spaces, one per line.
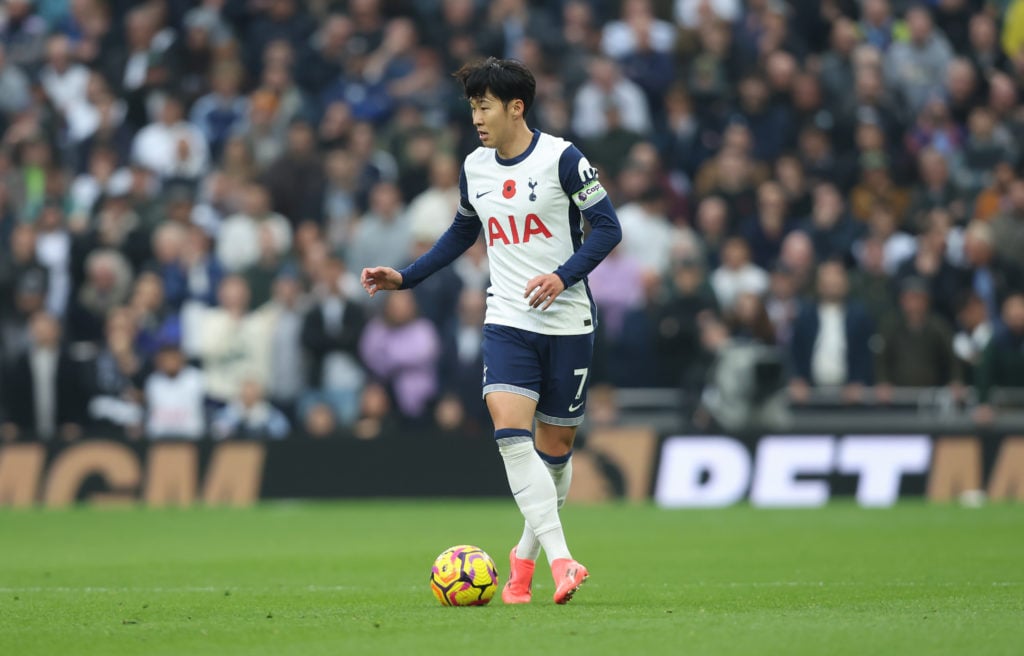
{"x":915,"y":347}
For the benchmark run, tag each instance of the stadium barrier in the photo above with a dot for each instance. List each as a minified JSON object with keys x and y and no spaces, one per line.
{"x":633,"y":464}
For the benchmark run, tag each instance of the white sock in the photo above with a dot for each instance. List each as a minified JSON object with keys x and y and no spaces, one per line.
{"x":533,"y":489}
{"x":561,"y":474}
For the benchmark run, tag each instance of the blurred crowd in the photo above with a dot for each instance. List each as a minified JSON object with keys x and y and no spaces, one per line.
{"x":813,"y":195}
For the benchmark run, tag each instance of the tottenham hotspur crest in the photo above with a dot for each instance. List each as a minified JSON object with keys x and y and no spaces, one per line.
{"x":533,"y":184}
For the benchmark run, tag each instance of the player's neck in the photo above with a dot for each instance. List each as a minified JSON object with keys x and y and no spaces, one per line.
{"x":517,"y":144}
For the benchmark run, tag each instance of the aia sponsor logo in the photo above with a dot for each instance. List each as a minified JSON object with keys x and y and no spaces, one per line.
{"x":515,"y":231}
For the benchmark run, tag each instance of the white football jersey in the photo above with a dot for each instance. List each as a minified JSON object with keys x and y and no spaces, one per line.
{"x":530,"y":208}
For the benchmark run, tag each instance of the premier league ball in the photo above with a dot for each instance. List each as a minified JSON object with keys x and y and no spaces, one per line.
{"x":464,"y":576}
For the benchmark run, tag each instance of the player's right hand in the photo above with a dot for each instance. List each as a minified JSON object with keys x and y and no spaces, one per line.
{"x":380,"y":279}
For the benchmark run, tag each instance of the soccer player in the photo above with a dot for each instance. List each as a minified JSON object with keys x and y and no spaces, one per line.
{"x":530,"y":192}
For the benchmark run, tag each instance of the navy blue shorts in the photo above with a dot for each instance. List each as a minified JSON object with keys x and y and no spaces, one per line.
{"x":553,"y":370}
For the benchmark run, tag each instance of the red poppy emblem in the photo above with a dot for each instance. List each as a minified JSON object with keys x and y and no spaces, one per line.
{"x":508,"y":190}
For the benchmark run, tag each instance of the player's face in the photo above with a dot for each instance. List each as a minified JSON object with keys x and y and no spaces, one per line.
{"x":491,"y":119}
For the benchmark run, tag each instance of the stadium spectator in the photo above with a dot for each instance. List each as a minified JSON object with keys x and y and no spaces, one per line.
{"x":217,"y":112}
{"x":239,"y":241}
{"x":174,"y":397}
{"x":430,"y":212}
{"x":383,"y":234}
{"x":831,"y":229}
{"x":606,"y":92}
{"x":993,"y":199}
{"x":473,"y":267}
{"x":975,"y":331}
{"x":647,"y":234}
{"x":463,"y":363}
{"x":14,"y":86}
{"x":250,"y":416}
{"x":765,"y":231}
{"x":53,"y":250}
{"x":234,"y":342}
{"x":935,"y":128}
{"x":376,"y":414}
{"x":963,"y":89}
{"x":782,"y":303}
{"x":45,"y":396}
{"x":989,"y":276}
{"x":1002,"y":361}
{"x":789,"y":173}
{"x":649,"y":62}
{"x":876,"y":188}
{"x":987,"y":144}
{"x":837,"y":66}
{"x":401,"y":351}
{"x":618,"y":285}
{"x":915,"y":348}
{"x":637,"y":28}
{"x":63,"y":79}
{"x":694,"y":14}
{"x":288,"y":368}
{"x":19,"y":262}
{"x":870,"y":281}
{"x":115,"y":379}
{"x":916,"y":67}
{"x":331,"y":333}
{"x":1008,"y":226}
{"x":737,"y":274}
{"x":23,"y":32}
{"x":935,"y":190}
{"x":688,"y":299}
{"x":172,"y":147}
{"x":283,"y":20}
{"x":342,"y":196}
{"x":830,"y":345}
{"x":108,"y":281}
{"x":146,"y":62}
{"x":984,"y":51}
{"x":769,"y":123}
{"x":897,"y":245}
{"x":732,"y":176}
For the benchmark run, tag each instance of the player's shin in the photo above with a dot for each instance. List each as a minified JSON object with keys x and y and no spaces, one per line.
{"x":533,"y":489}
{"x":560,"y":469}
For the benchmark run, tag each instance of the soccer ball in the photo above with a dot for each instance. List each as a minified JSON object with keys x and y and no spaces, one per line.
{"x":464,"y":576}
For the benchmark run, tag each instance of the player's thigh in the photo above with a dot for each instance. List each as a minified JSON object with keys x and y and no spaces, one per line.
{"x":512,"y":376}
{"x":566,"y":377}
{"x":510,"y":410}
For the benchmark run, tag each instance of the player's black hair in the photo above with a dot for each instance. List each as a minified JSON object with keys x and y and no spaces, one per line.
{"x":506,"y":79}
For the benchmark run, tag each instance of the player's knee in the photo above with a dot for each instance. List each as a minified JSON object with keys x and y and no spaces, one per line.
{"x":555,"y":441}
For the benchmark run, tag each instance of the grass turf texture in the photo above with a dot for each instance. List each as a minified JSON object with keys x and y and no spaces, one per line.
{"x":351,"y":578}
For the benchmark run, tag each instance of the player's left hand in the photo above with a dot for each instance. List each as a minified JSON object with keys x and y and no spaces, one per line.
{"x":542,"y":290}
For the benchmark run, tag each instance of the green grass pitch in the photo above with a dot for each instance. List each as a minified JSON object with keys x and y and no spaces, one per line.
{"x":351,"y":578}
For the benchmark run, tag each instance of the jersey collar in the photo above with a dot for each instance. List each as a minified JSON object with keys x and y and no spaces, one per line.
{"x":518,"y":158}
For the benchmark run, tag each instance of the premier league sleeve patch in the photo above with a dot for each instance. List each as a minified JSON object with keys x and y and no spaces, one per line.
{"x":589,"y":194}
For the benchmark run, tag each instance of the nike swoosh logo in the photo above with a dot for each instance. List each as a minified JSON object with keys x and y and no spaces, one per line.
{"x":518,"y":492}
{"x":574,"y":408}
{"x":483,"y":193}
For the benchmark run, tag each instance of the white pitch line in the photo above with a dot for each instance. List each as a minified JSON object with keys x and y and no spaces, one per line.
{"x":178,"y":589}
{"x":343,"y":588}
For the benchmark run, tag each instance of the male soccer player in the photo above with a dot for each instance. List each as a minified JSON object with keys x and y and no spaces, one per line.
{"x":530,"y":191}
